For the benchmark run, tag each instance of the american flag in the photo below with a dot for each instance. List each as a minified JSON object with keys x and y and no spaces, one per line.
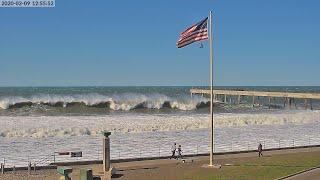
{"x":194,"y":33}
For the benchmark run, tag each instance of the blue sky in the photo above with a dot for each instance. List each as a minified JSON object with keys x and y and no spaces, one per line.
{"x":111,"y":43}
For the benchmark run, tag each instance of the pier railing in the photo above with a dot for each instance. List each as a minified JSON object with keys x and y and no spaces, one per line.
{"x":258,"y":93}
{"x":288,"y":98}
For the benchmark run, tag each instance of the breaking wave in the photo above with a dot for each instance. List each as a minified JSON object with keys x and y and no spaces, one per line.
{"x":61,"y":126}
{"x":123,"y":102}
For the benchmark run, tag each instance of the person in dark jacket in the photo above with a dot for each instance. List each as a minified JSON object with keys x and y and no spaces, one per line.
{"x":179,"y":152}
{"x":260,"y":149}
{"x":173,"y":150}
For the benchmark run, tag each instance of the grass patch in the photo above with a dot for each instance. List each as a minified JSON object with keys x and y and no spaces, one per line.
{"x":269,"y":167}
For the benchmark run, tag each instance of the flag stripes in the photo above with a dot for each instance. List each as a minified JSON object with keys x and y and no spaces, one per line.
{"x":194,"y":33}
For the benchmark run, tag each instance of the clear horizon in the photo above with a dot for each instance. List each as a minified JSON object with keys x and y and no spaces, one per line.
{"x":66,"y":86}
{"x":134,"y":44}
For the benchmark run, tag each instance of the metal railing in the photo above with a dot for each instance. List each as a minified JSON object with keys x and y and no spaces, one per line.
{"x":136,"y":150}
{"x":122,"y":151}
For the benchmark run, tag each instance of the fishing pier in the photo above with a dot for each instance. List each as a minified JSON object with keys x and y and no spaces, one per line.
{"x":288,"y":97}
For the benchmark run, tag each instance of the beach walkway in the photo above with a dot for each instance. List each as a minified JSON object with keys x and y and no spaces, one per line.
{"x":309,"y":175}
{"x":274,"y":164}
{"x":173,"y":169}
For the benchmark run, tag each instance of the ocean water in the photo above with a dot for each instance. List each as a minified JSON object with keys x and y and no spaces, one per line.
{"x":35,"y":122}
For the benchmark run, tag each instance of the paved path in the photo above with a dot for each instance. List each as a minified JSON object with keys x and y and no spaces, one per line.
{"x":150,"y":169}
{"x":216,"y":157}
{"x":309,"y":175}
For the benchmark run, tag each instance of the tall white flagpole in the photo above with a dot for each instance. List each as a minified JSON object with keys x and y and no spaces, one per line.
{"x":211,"y":91}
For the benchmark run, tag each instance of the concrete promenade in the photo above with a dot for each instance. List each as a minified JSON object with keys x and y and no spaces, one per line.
{"x":175,"y":169}
{"x":309,"y":175}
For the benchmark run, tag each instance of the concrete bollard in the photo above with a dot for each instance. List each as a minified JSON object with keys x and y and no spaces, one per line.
{"x":29,"y":168}
{"x":106,"y":151}
{"x":2,"y":168}
{"x":108,"y":171}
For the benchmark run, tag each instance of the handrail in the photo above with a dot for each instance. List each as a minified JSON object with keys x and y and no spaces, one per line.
{"x":145,"y":151}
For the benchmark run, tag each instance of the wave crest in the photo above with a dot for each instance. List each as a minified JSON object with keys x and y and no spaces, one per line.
{"x":123,"y":102}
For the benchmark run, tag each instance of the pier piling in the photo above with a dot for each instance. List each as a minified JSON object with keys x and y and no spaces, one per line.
{"x":269,"y":101}
{"x":253,"y":101}
{"x":305,"y":103}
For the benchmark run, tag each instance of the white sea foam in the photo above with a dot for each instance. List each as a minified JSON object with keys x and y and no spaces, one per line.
{"x":60,"y":126}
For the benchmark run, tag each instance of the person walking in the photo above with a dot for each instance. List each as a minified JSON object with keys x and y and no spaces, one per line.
{"x":173,"y":150}
{"x":179,"y":152}
{"x":260,"y":149}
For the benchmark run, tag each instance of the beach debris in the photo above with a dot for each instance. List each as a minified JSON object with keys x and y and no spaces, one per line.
{"x":187,"y":160}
